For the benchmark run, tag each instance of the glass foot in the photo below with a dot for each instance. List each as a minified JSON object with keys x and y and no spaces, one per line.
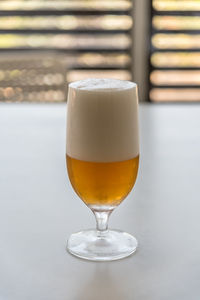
{"x":98,"y":246}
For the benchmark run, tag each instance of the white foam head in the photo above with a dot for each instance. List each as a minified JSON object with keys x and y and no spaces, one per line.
{"x":102,"y":120}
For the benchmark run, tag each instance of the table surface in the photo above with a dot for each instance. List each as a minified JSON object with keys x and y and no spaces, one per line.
{"x":39,"y":210}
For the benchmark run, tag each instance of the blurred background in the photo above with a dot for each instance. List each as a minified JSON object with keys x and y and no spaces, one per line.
{"x":45,"y":44}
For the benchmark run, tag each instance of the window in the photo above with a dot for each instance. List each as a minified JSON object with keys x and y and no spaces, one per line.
{"x":88,"y":37}
{"x":175,"y":51}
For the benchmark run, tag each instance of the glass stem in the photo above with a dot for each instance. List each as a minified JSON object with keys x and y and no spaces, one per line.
{"x":102,"y":220}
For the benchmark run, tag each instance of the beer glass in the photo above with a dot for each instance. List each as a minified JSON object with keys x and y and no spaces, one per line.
{"x":102,"y":155}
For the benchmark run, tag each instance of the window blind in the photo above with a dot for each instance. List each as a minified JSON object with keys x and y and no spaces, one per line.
{"x":94,"y":37}
{"x":175,"y":51}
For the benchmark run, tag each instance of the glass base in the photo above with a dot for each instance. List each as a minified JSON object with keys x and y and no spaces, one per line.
{"x":98,"y":246}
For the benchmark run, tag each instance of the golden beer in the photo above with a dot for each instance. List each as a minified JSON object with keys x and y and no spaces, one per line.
{"x":102,"y":183}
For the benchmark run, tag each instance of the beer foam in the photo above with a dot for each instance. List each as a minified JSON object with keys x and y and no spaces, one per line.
{"x":102,"y":120}
{"x":102,"y":85}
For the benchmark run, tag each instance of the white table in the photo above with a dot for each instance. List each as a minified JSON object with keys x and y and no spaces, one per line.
{"x":39,"y":210}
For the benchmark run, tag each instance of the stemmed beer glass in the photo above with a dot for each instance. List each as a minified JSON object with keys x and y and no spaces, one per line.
{"x":102,"y":157}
